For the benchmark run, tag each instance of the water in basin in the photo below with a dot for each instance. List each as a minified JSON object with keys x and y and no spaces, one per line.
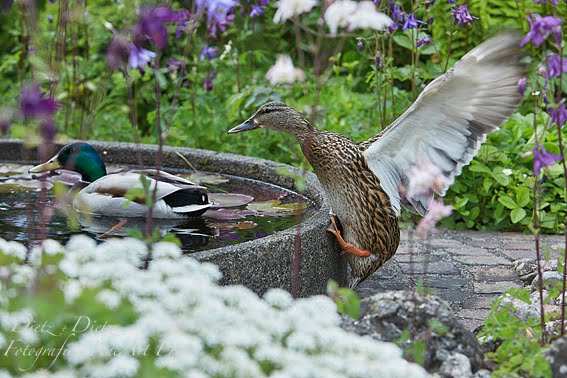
{"x":245,"y":210}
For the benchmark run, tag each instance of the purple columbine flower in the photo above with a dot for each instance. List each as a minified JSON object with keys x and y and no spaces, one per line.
{"x":218,"y":14}
{"x":6,"y":5}
{"x":543,"y":159}
{"x":556,"y":65}
{"x":140,"y":57}
{"x":208,"y":84}
{"x":554,"y":2}
{"x":430,"y":3}
{"x":411,"y":22}
{"x":34,"y":104}
{"x":397,"y":15}
{"x":424,"y":41}
{"x":4,"y":126}
{"x":118,"y":52}
{"x":360,"y":46}
{"x":174,"y":65}
{"x":208,"y":52}
{"x":256,"y":11}
{"x":451,"y":1}
{"x":540,"y":28}
{"x":462,"y":15}
{"x":558,"y":115}
{"x":48,"y":130}
{"x":151,"y":25}
{"x":50,"y":18}
{"x":378,"y":59}
{"x":522,"y":84}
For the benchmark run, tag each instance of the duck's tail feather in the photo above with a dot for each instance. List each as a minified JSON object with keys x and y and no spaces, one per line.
{"x":189,"y":201}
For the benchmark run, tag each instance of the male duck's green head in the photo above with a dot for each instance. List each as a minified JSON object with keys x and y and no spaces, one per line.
{"x":79,"y":157}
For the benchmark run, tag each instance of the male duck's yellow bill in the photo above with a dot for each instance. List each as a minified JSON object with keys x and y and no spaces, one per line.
{"x":50,"y":165}
{"x":248,"y":125}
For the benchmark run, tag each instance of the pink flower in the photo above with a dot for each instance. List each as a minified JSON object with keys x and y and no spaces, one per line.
{"x":437,"y":211}
{"x":425,"y":178}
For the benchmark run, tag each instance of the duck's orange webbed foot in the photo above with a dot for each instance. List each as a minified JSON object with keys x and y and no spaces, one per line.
{"x":347,"y":247}
{"x":113,"y":229}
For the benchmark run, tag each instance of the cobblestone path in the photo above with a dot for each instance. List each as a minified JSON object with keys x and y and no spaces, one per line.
{"x":467,"y":269}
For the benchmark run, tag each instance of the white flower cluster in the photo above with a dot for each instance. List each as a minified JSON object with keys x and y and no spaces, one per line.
{"x":197,"y":328}
{"x":283,"y":72}
{"x":352,"y":15}
{"x":289,"y":8}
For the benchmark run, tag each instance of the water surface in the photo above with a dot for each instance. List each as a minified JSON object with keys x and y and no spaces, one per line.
{"x":232,"y":221}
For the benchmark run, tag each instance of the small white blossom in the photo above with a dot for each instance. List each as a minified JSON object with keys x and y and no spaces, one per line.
{"x":110,"y":298}
{"x":166,"y":250}
{"x":289,"y":8}
{"x":186,"y":324}
{"x":338,"y":14}
{"x":283,"y":72}
{"x":352,"y":15}
{"x":367,"y":17}
{"x":13,"y":249}
{"x":278,"y":298}
{"x":72,"y":290}
{"x":51,"y":247}
{"x":507,"y":171}
{"x":27,"y":336}
{"x":34,"y":258}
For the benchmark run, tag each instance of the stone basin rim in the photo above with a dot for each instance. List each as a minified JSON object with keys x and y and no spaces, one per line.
{"x":258,"y":264}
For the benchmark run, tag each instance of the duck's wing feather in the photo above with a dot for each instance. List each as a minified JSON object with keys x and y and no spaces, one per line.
{"x":166,"y":177}
{"x":107,"y":195}
{"x":450,"y":119}
{"x":118,"y":185}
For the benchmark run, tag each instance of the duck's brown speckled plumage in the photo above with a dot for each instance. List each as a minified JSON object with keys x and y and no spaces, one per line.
{"x":349,"y":183}
{"x":446,"y":125}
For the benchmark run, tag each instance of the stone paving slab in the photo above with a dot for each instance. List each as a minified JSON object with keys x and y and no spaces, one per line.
{"x":467,"y":269}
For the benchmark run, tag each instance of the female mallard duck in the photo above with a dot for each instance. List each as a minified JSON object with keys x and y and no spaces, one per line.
{"x":446,"y":124}
{"x":105,"y":194}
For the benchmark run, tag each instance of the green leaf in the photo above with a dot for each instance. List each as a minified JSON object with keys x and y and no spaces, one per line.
{"x":348,"y":302}
{"x":403,"y":40}
{"x":477,"y":167}
{"x":487,"y":184}
{"x":523,"y":196}
{"x":517,"y":215}
{"x":475,"y":211}
{"x":508,"y":202}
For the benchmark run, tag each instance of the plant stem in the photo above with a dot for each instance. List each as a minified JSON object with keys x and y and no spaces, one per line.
{"x":133,"y":116}
{"x":536,"y":226}
{"x":564,"y":164}
{"x":182,"y":71}
{"x":450,"y":46}
{"x":296,"y":253}
{"x":159,"y":156}
{"x":300,"y":53}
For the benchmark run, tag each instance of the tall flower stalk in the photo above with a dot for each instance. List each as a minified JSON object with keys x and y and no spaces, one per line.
{"x":546,"y":31}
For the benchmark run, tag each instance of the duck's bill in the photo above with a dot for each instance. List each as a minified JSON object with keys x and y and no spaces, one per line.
{"x":246,"y":126}
{"x":50,"y":165}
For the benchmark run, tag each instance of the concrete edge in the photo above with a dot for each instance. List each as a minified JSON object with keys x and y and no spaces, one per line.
{"x":260,"y":264}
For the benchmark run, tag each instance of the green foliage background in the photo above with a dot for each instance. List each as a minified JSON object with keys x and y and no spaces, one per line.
{"x":96,"y":103}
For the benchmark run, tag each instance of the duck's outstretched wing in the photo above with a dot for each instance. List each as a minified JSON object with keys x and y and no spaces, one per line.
{"x":450,"y":119}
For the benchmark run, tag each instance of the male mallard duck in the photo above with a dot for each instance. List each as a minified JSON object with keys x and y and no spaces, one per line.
{"x":104,"y":194}
{"x":446,"y":124}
